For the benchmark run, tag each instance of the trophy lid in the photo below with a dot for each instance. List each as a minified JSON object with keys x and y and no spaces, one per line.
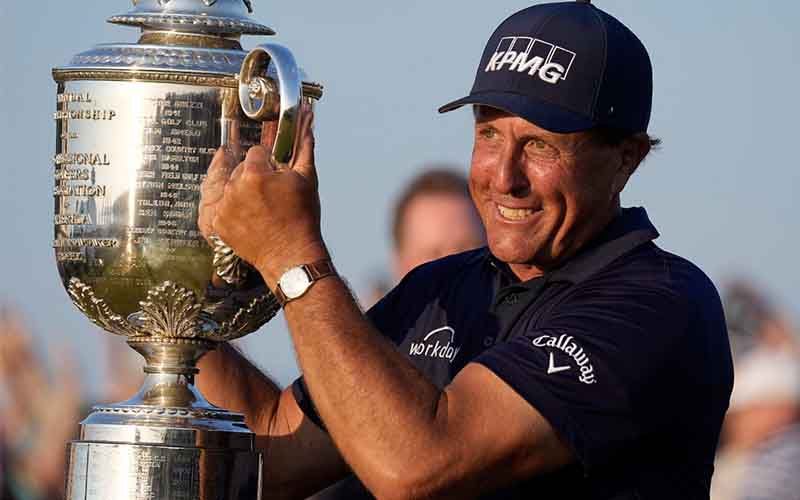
{"x":219,"y":17}
{"x":179,"y":36}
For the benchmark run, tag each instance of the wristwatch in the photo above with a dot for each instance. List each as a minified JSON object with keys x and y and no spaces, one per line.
{"x":297,"y":280}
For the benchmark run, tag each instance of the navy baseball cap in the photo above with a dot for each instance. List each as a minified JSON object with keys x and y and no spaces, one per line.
{"x":565,"y":67}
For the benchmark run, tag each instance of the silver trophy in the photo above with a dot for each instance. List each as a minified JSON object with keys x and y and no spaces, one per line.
{"x":137,"y":126}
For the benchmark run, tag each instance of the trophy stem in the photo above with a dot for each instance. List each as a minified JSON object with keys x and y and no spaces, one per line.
{"x":170,"y":371}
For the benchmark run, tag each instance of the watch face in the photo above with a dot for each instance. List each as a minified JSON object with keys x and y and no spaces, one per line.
{"x":294,"y":282}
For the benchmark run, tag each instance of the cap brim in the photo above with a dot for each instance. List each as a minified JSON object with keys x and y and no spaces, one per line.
{"x":548,"y":116}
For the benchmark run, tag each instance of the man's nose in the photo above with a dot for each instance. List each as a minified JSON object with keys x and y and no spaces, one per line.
{"x":509,"y":177}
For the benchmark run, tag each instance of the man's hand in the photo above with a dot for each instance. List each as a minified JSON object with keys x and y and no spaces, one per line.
{"x":219,"y":172}
{"x":269,"y":215}
{"x":213,"y":188}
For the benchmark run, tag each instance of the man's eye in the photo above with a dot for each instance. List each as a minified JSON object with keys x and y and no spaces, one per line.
{"x":487,"y":133}
{"x":541,"y":149}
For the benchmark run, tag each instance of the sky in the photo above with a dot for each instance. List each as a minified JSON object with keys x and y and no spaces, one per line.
{"x":721,"y":190}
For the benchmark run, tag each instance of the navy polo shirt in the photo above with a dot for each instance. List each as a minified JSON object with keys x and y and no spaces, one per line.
{"x":624,"y":350}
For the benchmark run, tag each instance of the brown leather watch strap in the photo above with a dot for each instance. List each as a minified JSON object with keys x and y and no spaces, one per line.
{"x":282,"y":299}
{"x":319,"y":269}
{"x":315,"y":272}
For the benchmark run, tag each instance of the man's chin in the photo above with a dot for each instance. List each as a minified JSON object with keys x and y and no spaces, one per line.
{"x":512,"y":252}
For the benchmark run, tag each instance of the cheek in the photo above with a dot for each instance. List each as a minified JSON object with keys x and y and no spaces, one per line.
{"x":570,"y":184}
{"x":597,"y":179}
{"x":485,"y":158}
{"x":548,"y":182}
{"x":479,"y":175}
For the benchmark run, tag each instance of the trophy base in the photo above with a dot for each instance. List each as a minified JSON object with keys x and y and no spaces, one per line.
{"x":105,"y":471}
{"x":165,"y":443}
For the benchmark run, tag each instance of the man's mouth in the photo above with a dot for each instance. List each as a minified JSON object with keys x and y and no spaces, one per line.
{"x":515,"y":214}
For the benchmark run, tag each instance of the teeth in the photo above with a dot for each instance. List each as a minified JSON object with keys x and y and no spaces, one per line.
{"x":514,"y":213}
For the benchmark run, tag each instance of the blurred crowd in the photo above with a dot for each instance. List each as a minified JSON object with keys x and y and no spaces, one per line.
{"x":42,"y":397}
{"x":40,"y":411}
{"x":41,"y":404}
{"x":759,"y":453}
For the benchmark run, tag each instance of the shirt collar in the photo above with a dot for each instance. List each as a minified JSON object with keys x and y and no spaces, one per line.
{"x":630,"y":229}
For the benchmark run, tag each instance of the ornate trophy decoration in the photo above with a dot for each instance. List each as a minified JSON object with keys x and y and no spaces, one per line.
{"x":137,"y":126}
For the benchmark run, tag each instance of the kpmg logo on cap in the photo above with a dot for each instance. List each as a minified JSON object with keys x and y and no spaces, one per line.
{"x":522,"y":54}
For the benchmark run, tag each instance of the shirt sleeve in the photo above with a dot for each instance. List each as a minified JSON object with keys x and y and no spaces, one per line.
{"x":584,"y":365}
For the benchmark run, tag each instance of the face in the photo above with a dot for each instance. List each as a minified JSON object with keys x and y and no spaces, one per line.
{"x":541,"y":195}
{"x":436,"y":225}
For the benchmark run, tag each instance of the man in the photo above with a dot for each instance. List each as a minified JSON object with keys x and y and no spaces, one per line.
{"x":572,"y":358}
{"x":434,"y":217}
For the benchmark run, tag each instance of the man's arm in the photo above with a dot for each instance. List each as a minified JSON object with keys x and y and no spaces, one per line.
{"x":400,"y":434}
{"x":229,"y":380}
{"x":299,"y":458}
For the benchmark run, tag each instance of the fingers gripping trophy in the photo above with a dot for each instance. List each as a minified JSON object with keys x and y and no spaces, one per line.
{"x":137,"y":126}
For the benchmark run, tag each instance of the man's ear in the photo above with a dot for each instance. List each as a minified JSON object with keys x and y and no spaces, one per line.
{"x":632,"y":151}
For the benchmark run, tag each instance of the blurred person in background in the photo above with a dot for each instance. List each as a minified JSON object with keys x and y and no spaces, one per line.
{"x":4,"y":494}
{"x":753,"y":320}
{"x":42,"y":408}
{"x":433,"y":217}
{"x":760,"y":443}
{"x":760,"y":458}
{"x":40,"y":414}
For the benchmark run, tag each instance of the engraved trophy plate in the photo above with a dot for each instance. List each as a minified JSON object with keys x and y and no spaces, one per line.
{"x":128,"y":174}
{"x":137,"y":126}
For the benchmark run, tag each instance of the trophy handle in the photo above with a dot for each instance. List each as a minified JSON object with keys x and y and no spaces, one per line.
{"x":258,"y":95}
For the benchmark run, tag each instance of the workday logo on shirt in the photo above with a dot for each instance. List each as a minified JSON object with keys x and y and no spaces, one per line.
{"x":438,"y":343}
{"x":566,"y":344}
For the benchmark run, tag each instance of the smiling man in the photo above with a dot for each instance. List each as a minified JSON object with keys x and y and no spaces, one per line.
{"x":572,"y":358}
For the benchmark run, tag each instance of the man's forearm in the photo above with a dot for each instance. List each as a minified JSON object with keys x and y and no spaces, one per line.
{"x":229,"y":380}
{"x":299,"y":458}
{"x":369,"y":396}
